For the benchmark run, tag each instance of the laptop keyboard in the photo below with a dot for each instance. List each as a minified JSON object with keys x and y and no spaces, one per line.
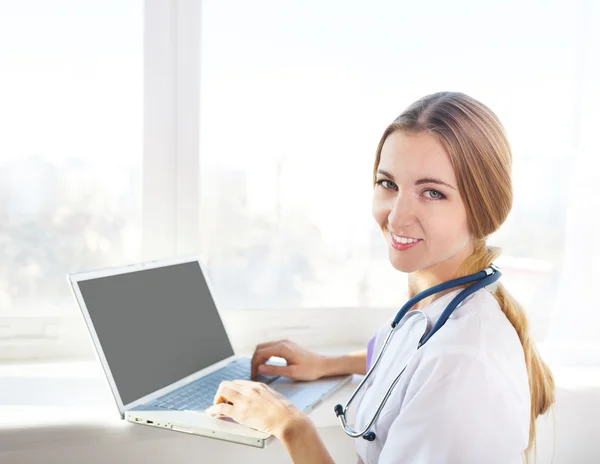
{"x":199,"y":395}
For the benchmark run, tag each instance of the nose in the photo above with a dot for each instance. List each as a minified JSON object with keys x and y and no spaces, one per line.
{"x":401,"y":211}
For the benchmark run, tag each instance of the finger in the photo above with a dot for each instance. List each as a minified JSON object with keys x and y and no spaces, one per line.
{"x":244,"y":387}
{"x":256,"y":357}
{"x":251,"y":391}
{"x":240,"y":388}
{"x":221,"y":409}
{"x":285,"y":371}
{"x":226,"y":393}
{"x":281,"y":349}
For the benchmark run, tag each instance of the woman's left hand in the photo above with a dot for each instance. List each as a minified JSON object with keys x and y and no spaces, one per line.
{"x":256,"y":405}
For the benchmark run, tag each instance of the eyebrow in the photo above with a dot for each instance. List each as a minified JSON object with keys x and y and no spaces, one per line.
{"x":424,"y":180}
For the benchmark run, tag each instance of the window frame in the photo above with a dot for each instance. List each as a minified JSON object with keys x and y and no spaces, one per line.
{"x":170,"y":173}
{"x":171,"y":218}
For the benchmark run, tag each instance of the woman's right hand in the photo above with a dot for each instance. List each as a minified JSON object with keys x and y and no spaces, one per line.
{"x":302,"y":364}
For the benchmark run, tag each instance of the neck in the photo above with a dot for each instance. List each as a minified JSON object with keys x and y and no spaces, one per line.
{"x":444,"y":271}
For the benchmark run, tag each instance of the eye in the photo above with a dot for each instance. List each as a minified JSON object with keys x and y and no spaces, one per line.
{"x":387,"y":184}
{"x":435,"y":195}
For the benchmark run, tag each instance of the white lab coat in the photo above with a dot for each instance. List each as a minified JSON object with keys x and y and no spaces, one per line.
{"x":463,"y":398}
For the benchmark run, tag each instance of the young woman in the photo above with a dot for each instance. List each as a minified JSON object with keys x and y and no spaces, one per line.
{"x":442,"y":185}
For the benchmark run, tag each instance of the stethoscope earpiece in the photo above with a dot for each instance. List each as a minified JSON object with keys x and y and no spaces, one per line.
{"x":339,"y":410}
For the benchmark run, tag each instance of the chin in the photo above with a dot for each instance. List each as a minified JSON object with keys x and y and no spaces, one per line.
{"x":401,"y":264}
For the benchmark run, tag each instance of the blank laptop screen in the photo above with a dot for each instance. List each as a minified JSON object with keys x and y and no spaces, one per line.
{"x":155,"y":326}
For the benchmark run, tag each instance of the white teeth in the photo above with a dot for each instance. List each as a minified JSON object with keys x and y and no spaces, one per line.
{"x":404,"y":240}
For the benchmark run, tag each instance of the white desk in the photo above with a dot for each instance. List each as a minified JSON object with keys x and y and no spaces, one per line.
{"x":45,"y":417}
{"x":63,"y":414}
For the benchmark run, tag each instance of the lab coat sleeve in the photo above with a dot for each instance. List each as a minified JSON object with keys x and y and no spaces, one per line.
{"x":455,"y":411}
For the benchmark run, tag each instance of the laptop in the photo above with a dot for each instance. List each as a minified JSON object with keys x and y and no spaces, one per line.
{"x":164,"y":349}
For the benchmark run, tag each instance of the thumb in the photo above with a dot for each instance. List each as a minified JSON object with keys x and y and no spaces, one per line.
{"x":268,"y":369}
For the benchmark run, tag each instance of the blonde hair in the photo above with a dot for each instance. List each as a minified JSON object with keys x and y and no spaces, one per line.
{"x":481,"y":157}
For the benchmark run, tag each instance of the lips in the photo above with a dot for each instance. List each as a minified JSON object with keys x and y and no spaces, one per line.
{"x":405,"y":244}
{"x":403,"y":238}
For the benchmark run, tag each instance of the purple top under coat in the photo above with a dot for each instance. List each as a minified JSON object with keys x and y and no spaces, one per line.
{"x":370,"y":347}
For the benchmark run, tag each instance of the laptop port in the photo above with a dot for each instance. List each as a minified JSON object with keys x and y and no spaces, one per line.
{"x":149,"y":422}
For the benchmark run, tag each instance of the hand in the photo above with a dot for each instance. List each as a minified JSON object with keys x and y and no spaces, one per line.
{"x":258,"y":406}
{"x":301,"y":363}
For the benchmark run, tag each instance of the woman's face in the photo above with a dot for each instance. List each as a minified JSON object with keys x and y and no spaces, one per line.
{"x":416,"y":197}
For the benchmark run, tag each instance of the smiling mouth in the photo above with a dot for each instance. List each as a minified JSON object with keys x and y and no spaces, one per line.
{"x":400,"y":239}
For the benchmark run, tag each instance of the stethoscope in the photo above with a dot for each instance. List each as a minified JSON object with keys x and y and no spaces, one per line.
{"x":483,"y":278}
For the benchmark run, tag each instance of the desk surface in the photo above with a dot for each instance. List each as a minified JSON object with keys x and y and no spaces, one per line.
{"x":77,"y":394}
{"x":56,"y":415}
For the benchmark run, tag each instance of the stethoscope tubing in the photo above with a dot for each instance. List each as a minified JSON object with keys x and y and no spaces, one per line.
{"x":481,"y":279}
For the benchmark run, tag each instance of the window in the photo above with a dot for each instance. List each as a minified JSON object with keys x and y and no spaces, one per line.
{"x":294,"y":99}
{"x":70,"y":162}
{"x":273,"y":185}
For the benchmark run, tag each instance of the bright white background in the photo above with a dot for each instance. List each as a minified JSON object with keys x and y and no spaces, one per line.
{"x":246,"y":132}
